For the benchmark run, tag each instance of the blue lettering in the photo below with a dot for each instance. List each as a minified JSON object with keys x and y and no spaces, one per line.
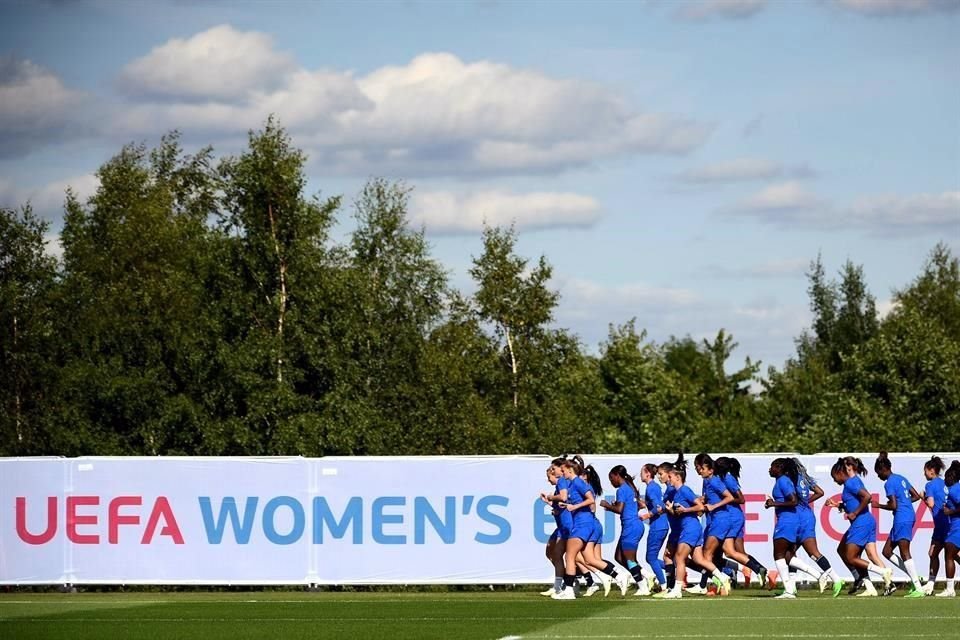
{"x":228,"y":509}
{"x":380,"y":519}
{"x":423,"y":511}
{"x":483,"y":510}
{"x":352,"y":515}
{"x":609,"y":526}
{"x":543,"y":522}
{"x":269,"y":526}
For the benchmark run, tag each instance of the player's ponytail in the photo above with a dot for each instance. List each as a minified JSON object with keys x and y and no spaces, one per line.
{"x":952,"y":475}
{"x":883,"y":463}
{"x":935,"y":464}
{"x":593,"y":479}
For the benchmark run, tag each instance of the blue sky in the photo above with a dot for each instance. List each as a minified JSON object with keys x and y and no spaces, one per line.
{"x":677,"y":162}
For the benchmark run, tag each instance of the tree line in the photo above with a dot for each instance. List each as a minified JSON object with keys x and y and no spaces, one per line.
{"x":202,"y":306}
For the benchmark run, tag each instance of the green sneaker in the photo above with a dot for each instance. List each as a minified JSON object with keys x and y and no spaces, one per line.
{"x":916,"y":593}
{"x":837,"y":588}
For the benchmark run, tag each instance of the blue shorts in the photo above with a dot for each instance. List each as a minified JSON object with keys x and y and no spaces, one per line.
{"x":655,"y":540}
{"x":674,"y":536}
{"x":862,"y":531}
{"x":953,"y":536}
{"x":941,"y":527}
{"x":596,"y":535}
{"x":630,"y":537}
{"x":787,"y":527}
{"x":901,"y":530}
{"x":691,"y":534}
{"x":737,"y":524}
{"x":583,"y":528}
{"x":807,"y":526}
{"x":719,"y":527}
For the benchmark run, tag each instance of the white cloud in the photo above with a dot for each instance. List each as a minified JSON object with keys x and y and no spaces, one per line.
{"x":615,"y":303}
{"x":742,"y":170}
{"x":35,"y":107}
{"x":436,"y":115}
{"x":445,"y":212}
{"x":773,"y":269}
{"x":218,"y":63}
{"x":780,"y":198}
{"x":892,"y":213}
{"x":897,"y":7}
{"x":47,"y":200}
{"x":885,"y":307}
{"x":699,"y":10}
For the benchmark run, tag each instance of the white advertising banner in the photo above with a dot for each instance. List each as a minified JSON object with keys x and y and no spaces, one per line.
{"x":350,"y":520}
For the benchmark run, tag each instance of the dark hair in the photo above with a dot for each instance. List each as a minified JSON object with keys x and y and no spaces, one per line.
{"x":952,"y":475}
{"x":725,"y":464}
{"x":882,"y":463}
{"x":840,"y":466}
{"x":621,"y":471}
{"x":593,"y":480}
{"x":704,"y":460}
{"x":558,"y":462}
{"x":935,"y":464}
{"x":788,"y":468}
{"x":650,"y":468}
{"x":680,"y":467}
{"x":570,"y":464}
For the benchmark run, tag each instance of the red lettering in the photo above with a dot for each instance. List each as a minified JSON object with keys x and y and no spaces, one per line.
{"x":161,"y":508}
{"x":114,"y":518}
{"x":74,"y":520}
{"x":751,"y":517}
{"x":48,"y":533}
{"x":920,"y":523}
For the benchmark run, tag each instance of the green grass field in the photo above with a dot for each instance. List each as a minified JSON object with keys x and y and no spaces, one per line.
{"x":494,"y":615}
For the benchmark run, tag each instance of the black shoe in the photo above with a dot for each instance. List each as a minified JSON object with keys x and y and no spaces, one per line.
{"x":889,"y":590}
{"x":856,"y":586}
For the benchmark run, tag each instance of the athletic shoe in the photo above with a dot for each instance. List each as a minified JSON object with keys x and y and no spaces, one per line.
{"x":916,"y":593}
{"x":928,"y":588}
{"x":786,"y":596}
{"x":822,"y":581}
{"x":672,"y":594}
{"x":837,"y":588}
{"x":857,"y":584}
{"x":869,"y":591}
{"x":889,"y":589}
{"x":651,"y":583}
{"x":566,"y":594}
{"x":696,"y":590}
{"x":592,"y":589}
{"x":549,"y":592}
{"x":771,"y":579}
{"x":643,"y":588}
{"x":747,"y":575}
{"x":660,"y":595}
{"x":724,"y":586}
{"x":947,"y":593}
{"x":888,"y":578}
{"x":607,"y":583}
{"x":624,"y":583}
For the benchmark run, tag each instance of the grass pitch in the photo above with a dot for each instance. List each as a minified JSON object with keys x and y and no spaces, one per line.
{"x":467,"y":616}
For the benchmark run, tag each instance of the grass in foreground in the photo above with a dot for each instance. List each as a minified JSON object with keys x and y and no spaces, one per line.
{"x":466,"y":616}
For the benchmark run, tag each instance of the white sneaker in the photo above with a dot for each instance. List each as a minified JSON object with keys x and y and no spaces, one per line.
{"x":724,"y":586}
{"x":696,"y":590}
{"x":624,"y":583}
{"x":607,"y":583}
{"x":947,"y":593}
{"x":651,"y":583}
{"x":549,"y":592}
{"x":786,"y":595}
{"x":869,"y":591}
{"x":887,"y":578}
{"x":643,"y":589}
{"x":592,"y":589}
{"x":822,"y":581}
{"x":672,"y":594}
{"x":566,"y":594}
{"x":928,"y":588}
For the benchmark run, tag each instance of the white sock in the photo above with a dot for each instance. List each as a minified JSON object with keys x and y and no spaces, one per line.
{"x":875,"y":568}
{"x":784,"y":570}
{"x":799,"y":565}
{"x":834,"y":576}
{"x":912,"y":572}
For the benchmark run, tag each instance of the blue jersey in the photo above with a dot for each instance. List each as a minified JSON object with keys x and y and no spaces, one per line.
{"x":936,"y":489}
{"x":850,"y":496}
{"x":629,"y":517}
{"x":782,"y":490}
{"x":713,"y":489}
{"x":804,"y":490}
{"x":953,"y":501}
{"x":577,"y":493}
{"x":653,"y":496}
{"x":685,"y":498}
{"x":670,"y":495}
{"x":899,"y":487}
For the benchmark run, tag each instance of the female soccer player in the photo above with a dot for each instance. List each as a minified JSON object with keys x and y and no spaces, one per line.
{"x":592,"y":549}
{"x":717,"y":500}
{"x":689,"y":549}
{"x":579,"y":497}
{"x":900,"y":498}
{"x":855,"y":504}
{"x":626,"y":505}
{"x":728,"y":469}
{"x":951,"y":545}
{"x":562,"y":517}
{"x":808,"y":492}
{"x":785,"y":532}
{"x":935,"y":495}
{"x":656,"y":518}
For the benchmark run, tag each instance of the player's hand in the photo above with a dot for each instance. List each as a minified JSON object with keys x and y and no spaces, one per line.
{"x":768,"y":503}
